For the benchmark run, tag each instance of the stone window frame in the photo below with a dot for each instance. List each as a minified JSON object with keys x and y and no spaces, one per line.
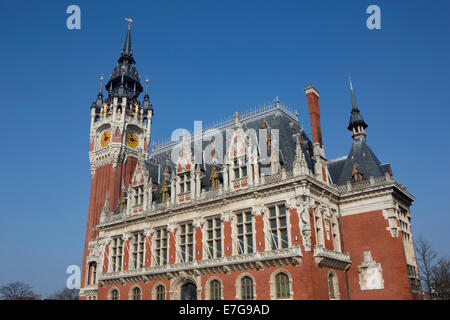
{"x":205,"y":230}
{"x":91,"y":278}
{"x":179,"y":243}
{"x":335,"y":233}
{"x":273,"y":288}
{"x":155,"y":248}
{"x":238,"y":285}
{"x":184,"y":179}
{"x":336,"y":285}
{"x":234,"y":231}
{"x":208,"y":287}
{"x":239,"y":163}
{"x":139,"y":251}
{"x":114,"y":257}
{"x":155,"y":290}
{"x":138,"y":195}
{"x":111,"y":291}
{"x":267,"y":227}
{"x":319,"y":228}
{"x":131,"y":292}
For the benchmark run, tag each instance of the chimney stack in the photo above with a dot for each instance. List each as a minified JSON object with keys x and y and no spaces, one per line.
{"x":314,"y":113}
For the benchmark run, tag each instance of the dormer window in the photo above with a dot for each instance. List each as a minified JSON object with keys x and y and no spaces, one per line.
{"x":185,"y":182}
{"x":138,"y":195}
{"x":240,"y":168}
{"x":356,"y":173}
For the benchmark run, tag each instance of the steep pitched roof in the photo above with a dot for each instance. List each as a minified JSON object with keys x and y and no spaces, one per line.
{"x":366,"y":160}
{"x":289,"y":130}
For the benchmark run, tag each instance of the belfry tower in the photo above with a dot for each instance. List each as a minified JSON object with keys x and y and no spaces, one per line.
{"x":119,"y":136}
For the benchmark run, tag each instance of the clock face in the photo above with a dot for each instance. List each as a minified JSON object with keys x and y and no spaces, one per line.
{"x":106,"y":138}
{"x":132,"y":139}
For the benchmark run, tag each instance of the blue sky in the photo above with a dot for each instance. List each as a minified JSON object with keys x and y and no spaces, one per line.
{"x":205,"y":60}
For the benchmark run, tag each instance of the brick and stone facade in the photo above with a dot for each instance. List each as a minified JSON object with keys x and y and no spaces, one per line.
{"x":248,"y":209}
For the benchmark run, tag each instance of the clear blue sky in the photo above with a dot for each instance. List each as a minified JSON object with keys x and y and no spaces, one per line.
{"x":207,"y":59}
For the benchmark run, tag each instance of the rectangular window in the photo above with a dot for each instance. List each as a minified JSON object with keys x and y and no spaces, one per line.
{"x":138,"y":241}
{"x":187,"y":242}
{"x":117,"y":253}
{"x":278,"y":227}
{"x":244,"y":232}
{"x":240,"y":168}
{"x":138,"y":195}
{"x":214,"y":237}
{"x":185,"y":182}
{"x":161,"y":246}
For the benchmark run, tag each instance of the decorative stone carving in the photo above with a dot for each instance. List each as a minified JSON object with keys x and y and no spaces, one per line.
{"x":370,"y":273}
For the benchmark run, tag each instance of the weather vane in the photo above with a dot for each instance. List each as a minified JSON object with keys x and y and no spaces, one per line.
{"x":130,"y":21}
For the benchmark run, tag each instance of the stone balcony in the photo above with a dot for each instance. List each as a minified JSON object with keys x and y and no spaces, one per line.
{"x":226,"y":264}
{"x":331,"y":259}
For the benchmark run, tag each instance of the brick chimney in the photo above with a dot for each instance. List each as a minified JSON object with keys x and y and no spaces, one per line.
{"x":314,"y":113}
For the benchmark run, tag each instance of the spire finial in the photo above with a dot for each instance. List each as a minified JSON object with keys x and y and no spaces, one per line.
{"x":357,"y":124}
{"x":146,"y":86}
{"x":100,"y":93}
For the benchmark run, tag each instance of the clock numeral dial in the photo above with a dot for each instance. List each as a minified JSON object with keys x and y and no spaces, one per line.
{"x":106,"y":138}
{"x":132,"y":139}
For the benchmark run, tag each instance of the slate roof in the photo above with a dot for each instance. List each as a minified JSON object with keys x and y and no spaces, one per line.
{"x":289,"y":129}
{"x":360,"y":153}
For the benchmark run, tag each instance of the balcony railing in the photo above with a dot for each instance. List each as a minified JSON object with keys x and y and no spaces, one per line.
{"x":332,"y":259}
{"x":226,"y":264}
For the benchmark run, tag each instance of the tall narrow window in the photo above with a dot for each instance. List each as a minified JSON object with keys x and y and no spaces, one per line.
{"x":138,"y":250}
{"x":114,"y":294}
{"x":136,"y":294}
{"x":187,"y":242}
{"x":244,"y":232}
{"x":282,"y":286}
{"x":333,"y":286}
{"x":278,"y":227}
{"x":160,"y":292}
{"x":161,"y":246}
{"x":214,"y":237}
{"x":247,"y":288}
{"x":318,"y":222}
{"x":215,"y":290}
{"x":116,"y":253}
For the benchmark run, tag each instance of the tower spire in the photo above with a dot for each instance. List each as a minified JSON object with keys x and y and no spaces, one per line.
{"x":357,"y":125}
{"x":125,"y":76}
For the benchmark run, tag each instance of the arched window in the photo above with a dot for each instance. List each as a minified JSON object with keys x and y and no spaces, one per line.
{"x":160,"y":292}
{"x":247,"y":288}
{"x":114,"y":295}
{"x":136,"y":295}
{"x":282,"y":286}
{"x":333,"y":286}
{"x":215,"y":290}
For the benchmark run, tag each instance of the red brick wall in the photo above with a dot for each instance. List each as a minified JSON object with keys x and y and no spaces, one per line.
{"x":105,"y":179}
{"x":367,"y":232}
{"x":308,"y":282}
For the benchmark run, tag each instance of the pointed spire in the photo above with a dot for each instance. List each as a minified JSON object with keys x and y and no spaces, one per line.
{"x":100,"y":93}
{"x":357,"y":125}
{"x":127,"y":49}
{"x":353,"y":94}
{"x":146,"y":105}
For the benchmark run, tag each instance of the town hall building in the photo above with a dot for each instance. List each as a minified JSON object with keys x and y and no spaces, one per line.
{"x":248,"y":208}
